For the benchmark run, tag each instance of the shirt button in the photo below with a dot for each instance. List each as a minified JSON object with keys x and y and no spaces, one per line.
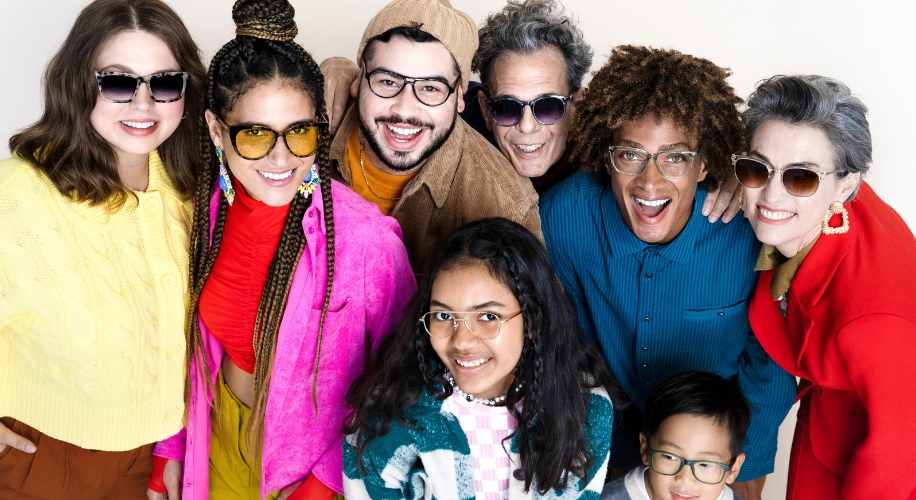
{"x":649,"y":275}
{"x":169,"y":281}
{"x":644,"y":365}
{"x":645,"y":348}
{"x":153,"y":205}
{"x":721,"y":313}
{"x":173,"y":414}
{"x":311,"y":230}
{"x":312,"y":214}
{"x":646,"y":319}
{"x":173,"y":351}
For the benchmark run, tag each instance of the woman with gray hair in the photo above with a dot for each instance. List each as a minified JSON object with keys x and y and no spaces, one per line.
{"x":828,"y":306}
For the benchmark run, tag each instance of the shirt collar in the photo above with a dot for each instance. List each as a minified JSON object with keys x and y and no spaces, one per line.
{"x":159,"y":182}
{"x":437,"y":174}
{"x":786,"y":269}
{"x":623,"y":242}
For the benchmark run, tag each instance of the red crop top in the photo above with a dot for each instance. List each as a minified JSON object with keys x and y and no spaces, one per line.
{"x":229,"y":301}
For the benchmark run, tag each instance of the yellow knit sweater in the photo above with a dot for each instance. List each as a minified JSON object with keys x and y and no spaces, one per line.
{"x":92,"y":310}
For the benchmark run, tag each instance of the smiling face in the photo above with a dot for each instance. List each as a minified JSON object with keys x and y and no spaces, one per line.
{"x":653,"y":206}
{"x":482,"y":368}
{"x":135,"y":128}
{"x":532,"y":148}
{"x":401,"y":131}
{"x":277,"y":104}
{"x":778,"y":218}
{"x":692,"y":437}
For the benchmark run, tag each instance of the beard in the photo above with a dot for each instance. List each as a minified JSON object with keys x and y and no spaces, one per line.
{"x":403,"y":161}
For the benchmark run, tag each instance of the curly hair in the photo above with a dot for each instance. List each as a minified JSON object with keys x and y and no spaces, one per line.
{"x":552,"y":444}
{"x":262,"y":51}
{"x":637,"y":81}
{"x":525,"y":27}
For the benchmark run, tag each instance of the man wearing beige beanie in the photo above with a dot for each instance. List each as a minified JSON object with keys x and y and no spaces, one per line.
{"x":404,"y":148}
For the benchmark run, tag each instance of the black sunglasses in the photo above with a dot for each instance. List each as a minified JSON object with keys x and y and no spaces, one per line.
{"x":122,"y":87}
{"x":547,"y":109}
{"x":254,"y":142}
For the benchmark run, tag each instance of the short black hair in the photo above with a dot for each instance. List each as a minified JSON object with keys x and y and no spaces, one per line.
{"x":704,"y":395}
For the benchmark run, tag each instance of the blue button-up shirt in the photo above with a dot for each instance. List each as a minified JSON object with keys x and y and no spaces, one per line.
{"x":659,"y":310}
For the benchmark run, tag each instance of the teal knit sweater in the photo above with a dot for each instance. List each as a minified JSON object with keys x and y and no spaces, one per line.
{"x":432,"y":460}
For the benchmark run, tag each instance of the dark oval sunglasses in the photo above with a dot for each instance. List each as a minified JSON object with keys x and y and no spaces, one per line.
{"x":122,"y":87}
{"x":508,"y":111}
{"x":798,"y":181}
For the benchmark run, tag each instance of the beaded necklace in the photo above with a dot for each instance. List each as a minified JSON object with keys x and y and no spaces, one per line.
{"x":471,"y":399}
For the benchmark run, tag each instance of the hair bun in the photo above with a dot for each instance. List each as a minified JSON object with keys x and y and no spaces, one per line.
{"x":268,"y":19}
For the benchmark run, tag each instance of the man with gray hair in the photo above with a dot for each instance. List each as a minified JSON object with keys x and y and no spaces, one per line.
{"x":531,"y":59}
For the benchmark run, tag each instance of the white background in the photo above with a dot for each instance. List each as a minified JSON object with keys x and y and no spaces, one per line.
{"x":869,"y":45}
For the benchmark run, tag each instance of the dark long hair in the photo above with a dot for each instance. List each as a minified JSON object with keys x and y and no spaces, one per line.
{"x":556,"y":370}
{"x":63,"y":143}
{"x":263,"y":51}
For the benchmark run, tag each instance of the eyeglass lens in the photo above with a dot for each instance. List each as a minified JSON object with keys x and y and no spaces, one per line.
{"x":253,"y":143}
{"x":632,"y":161}
{"x":122,"y":88}
{"x":797,"y":181}
{"x":508,"y":111}
{"x":442,"y":324}
{"x":670,"y":464}
{"x":430,"y":92}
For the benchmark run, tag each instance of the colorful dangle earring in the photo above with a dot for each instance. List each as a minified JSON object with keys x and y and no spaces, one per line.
{"x":310,"y":183}
{"x":225,"y":183}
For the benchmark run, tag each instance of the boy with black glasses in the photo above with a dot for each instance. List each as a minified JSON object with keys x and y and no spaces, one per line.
{"x":693,"y":433}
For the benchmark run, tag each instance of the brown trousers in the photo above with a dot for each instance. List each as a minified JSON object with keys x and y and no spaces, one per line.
{"x":62,"y":471}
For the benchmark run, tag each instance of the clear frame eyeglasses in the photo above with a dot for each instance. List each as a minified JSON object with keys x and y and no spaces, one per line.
{"x":632,"y":161}
{"x":705,"y":471}
{"x":431,"y":91}
{"x":483,"y":325}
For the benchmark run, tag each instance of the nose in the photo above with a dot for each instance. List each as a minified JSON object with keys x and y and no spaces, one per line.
{"x":651,"y":178}
{"x":685,"y":476}
{"x":406,"y":103}
{"x":142,"y":99}
{"x":527,"y":124}
{"x":463,"y":339}
{"x":280,"y":155}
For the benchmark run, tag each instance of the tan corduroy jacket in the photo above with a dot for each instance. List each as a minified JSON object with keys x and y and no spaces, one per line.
{"x":467,"y":179}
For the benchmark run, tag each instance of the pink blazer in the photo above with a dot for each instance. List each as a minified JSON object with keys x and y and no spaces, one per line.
{"x":373,"y":282}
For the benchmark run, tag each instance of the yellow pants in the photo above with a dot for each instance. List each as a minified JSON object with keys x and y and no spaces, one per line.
{"x":235,"y":474}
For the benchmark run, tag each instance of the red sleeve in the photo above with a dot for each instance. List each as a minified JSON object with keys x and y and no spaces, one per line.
{"x":878,"y":352}
{"x":156,"y":482}
{"x":313,"y":489}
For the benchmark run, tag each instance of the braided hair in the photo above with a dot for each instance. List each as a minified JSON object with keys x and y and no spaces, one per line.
{"x":262,"y":51}
{"x":555,"y":373}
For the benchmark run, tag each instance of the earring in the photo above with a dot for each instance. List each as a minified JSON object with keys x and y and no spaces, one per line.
{"x":741,"y":199}
{"x":835,"y":208}
{"x":310,"y":183}
{"x":225,"y":183}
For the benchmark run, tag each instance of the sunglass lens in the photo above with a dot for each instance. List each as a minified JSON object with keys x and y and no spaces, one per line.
{"x":751,"y":173}
{"x":506,"y":112}
{"x":549,"y":110}
{"x":117,"y":87}
{"x":254,"y":143}
{"x":302,"y":140}
{"x":800,"y":182}
{"x":167,"y":87}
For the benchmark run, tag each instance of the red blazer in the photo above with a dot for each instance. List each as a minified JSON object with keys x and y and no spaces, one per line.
{"x":850,"y":330}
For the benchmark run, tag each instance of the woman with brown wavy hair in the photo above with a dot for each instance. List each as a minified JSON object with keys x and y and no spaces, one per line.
{"x":294,"y":280}
{"x":95,"y":210}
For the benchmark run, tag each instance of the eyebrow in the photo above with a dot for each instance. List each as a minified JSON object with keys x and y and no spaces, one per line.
{"x":120,"y":68}
{"x":256,"y":124}
{"x":802,"y":164}
{"x":485,"y":305}
{"x":437,"y":77}
{"x":713,"y":454}
{"x":664,"y":147}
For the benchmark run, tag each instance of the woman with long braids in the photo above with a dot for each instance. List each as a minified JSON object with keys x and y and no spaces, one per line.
{"x":487,"y":389}
{"x":294,"y":280}
{"x":95,"y":214}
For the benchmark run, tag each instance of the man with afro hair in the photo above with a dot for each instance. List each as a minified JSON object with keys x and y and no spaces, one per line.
{"x":656,"y":286}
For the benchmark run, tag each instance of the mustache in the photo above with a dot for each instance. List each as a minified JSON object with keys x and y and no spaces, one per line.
{"x":412,"y":121}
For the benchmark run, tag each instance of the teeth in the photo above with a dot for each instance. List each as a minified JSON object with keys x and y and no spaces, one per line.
{"x":652,"y":203}
{"x":471,"y":364}
{"x":529,"y":148}
{"x":404,"y":131}
{"x":276,"y":177}
{"x":139,"y":124}
{"x":775,"y":215}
